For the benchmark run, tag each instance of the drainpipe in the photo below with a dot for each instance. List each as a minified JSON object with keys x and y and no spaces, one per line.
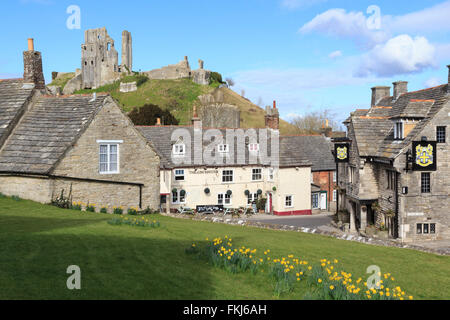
{"x":396,"y":218}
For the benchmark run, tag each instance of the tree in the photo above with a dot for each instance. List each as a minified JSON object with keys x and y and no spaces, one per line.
{"x":148,"y":114}
{"x":230,"y":82}
{"x":313,"y":122}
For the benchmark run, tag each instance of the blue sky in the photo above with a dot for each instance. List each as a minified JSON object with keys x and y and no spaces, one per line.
{"x":307,"y":55}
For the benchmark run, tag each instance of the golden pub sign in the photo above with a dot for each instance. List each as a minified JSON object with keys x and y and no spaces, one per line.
{"x":424,"y":156}
{"x":341,"y":152}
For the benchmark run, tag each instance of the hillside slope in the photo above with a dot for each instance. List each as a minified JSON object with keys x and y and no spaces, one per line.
{"x":179,"y":96}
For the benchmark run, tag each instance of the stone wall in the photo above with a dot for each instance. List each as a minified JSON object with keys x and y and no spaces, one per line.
{"x":138,"y":163}
{"x":30,"y":188}
{"x":417,"y":207}
{"x":128,"y":87}
{"x":173,"y":71}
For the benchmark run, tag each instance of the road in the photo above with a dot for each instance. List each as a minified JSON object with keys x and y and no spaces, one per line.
{"x":297,"y":221}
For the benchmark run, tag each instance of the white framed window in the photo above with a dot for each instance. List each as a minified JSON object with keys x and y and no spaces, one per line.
{"x":271,"y":174}
{"x":227,"y":176}
{"x":253,"y":147}
{"x":179,"y":149}
{"x":334,"y":176}
{"x":108,"y":157}
{"x":223,"y":148}
{"x":179,"y":175}
{"x":288,"y":201}
{"x":351,"y":174}
{"x":334,"y":195}
{"x":257,"y":174}
{"x":224,"y":199}
{"x":398,"y":130}
{"x":178,"y":197}
{"x":252,"y":197}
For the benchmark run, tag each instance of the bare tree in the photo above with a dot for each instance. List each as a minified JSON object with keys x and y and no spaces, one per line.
{"x":230,"y":82}
{"x":313,"y":122}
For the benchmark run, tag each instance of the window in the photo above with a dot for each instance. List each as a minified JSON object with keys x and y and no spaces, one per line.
{"x":256,"y":174}
{"x":334,"y":176}
{"x":179,"y":175}
{"x":425,"y":182}
{"x":253,"y":147}
{"x":398,"y":130}
{"x":223,"y":148}
{"x":179,"y":149}
{"x":426,"y":228}
{"x":271,"y":174}
{"x":315,"y":200}
{"x":390,"y":176}
{"x":252,"y":197}
{"x":440,"y":134}
{"x":224,"y":199}
{"x":288,"y":202}
{"x":109,"y":158}
{"x":178,"y":197}
{"x":227,"y":175}
{"x":334,"y":195}
{"x":351,"y":174}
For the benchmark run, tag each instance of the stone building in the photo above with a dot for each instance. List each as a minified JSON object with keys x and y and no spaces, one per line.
{"x":383,"y":183}
{"x":99,"y":59}
{"x":83,"y":144}
{"x":127,"y":52}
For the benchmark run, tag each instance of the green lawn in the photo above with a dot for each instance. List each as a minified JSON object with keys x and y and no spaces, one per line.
{"x":39,"y":242}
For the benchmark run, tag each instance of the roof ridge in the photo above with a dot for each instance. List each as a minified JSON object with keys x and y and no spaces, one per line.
{"x":102,"y":94}
{"x":11,"y":79}
{"x":426,"y":89}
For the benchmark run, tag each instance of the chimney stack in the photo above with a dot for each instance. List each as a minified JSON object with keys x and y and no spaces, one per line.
{"x":32,"y":66}
{"x":448,"y":86}
{"x":272,"y":117}
{"x":379,"y":93}
{"x":400,"y":87}
{"x":196,"y":121}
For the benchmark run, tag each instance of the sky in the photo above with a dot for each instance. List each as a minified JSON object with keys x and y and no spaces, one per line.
{"x":307,"y":55}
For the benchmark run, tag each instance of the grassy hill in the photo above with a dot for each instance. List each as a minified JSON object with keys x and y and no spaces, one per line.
{"x":39,"y":242}
{"x":179,"y":96}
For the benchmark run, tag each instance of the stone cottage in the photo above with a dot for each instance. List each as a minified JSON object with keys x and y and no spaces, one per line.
{"x":398,"y":170}
{"x":82,"y":143}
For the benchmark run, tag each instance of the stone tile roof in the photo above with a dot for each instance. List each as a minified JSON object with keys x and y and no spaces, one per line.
{"x":374,"y":129}
{"x":160,"y":137}
{"x":46,"y":131}
{"x":315,"y":148}
{"x":13,"y":98}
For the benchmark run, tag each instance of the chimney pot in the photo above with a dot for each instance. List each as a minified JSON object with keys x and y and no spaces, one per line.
{"x":400,"y":87}
{"x":379,"y":93}
{"x":30,"y":44}
{"x":274,"y":104}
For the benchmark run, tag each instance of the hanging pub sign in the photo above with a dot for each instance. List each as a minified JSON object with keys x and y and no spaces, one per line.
{"x":424,"y":156}
{"x":341,"y":152}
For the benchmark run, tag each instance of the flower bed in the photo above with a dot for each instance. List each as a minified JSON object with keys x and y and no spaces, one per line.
{"x":326,"y":280}
{"x":135,"y":222}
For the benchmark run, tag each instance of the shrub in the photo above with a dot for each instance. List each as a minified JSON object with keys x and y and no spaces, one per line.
{"x":148,"y":114}
{"x":104,"y":210}
{"x":135,"y":222}
{"x":216,"y":78}
{"x":261,"y":204}
{"x":2,"y":195}
{"x":76,"y":206}
{"x":90,"y":208}
{"x":16,"y":198}
{"x":117,"y":210}
{"x":62,"y":201}
{"x":132,"y":211}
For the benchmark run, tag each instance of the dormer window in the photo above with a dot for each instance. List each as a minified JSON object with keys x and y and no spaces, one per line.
{"x":223,"y":148}
{"x":179,"y":149}
{"x":399,"y":130}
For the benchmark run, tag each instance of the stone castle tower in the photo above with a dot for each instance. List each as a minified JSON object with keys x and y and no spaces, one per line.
{"x":127,"y":52}
{"x":99,"y":59}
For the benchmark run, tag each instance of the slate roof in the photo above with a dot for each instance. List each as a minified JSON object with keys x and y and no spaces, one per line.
{"x":160,"y":137}
{"x":13,"y":98}
{"x":374,"y":129}
{"x":46,"y":131}
{"x":316,"y":148}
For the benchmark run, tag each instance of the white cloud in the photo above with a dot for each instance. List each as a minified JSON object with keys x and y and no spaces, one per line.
{"x":399,"y":55}
{"x":433,"y":82}
{"x":347,"y":25}
{"x":335,"y":54}
{"x":431,"y":19}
